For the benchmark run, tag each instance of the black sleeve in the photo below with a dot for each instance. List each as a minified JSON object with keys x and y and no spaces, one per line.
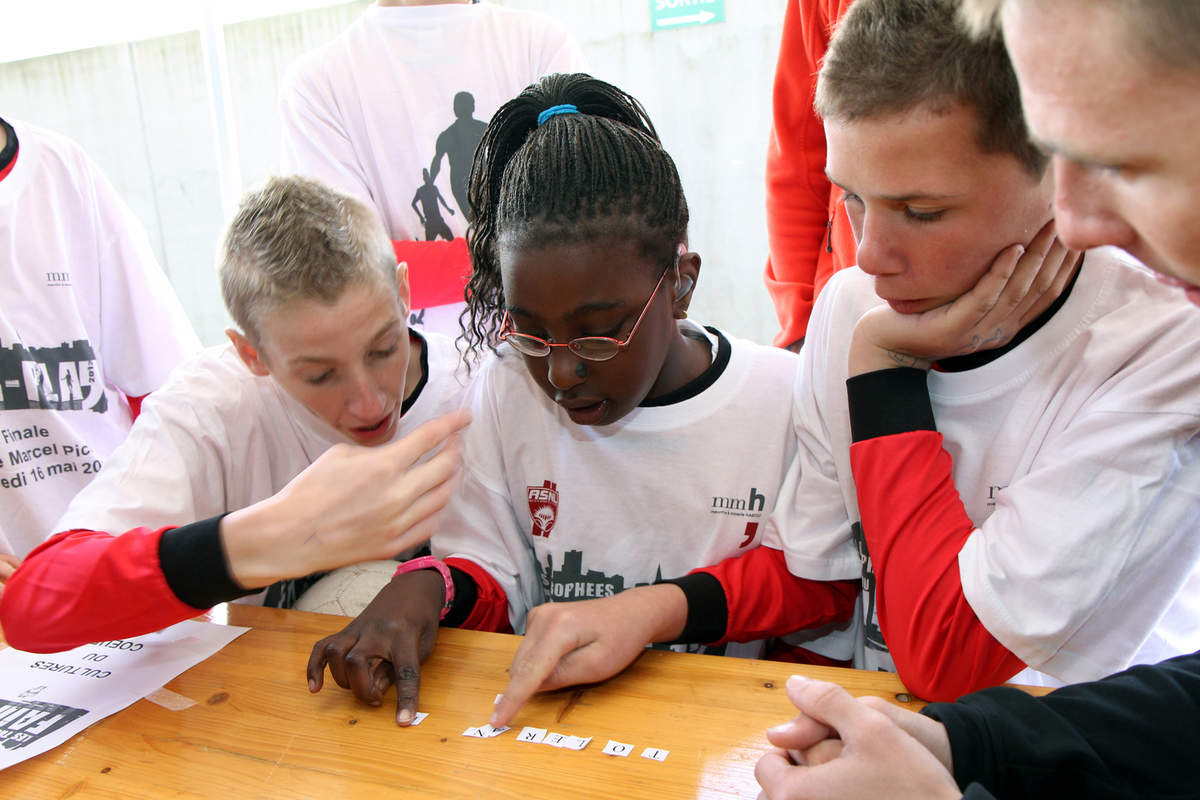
{"x":193,"y":562}
{"x":1131,"y":735}
{"x":465,"y":595}
{"x":708,"y":613}
{"x":889,"y":401}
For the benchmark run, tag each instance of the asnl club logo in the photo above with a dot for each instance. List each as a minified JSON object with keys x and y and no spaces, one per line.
{"x":543,"y":507}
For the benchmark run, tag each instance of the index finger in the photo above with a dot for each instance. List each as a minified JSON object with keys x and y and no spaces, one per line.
{"x":316,"y":664}
{"x":800,"y":733}
{"x":428,"y":436}
{"x":534,"y":663}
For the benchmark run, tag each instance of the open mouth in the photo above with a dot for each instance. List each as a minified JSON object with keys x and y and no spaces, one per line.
{"x":371,"y":433}
{"x":589,"y":414}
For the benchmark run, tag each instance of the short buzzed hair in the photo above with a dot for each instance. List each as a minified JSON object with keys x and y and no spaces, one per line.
{"x":1167,"y":31}
{"x":892,"y":56}
{"x":295,"y":238}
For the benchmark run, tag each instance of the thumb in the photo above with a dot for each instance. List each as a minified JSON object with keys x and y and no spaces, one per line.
{"x":828,"y":704}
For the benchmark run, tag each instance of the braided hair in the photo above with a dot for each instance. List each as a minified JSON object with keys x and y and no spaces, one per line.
{"x":599,"y":173}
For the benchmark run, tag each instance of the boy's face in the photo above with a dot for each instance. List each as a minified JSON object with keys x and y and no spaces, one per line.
{"x":930,"y":210}
{"x":1123,"y":130}
{"x":564,"y":291}
{"x":345,"y":362}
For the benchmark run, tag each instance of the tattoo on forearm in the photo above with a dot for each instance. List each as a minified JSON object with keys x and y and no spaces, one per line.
{"x":904,"y":359}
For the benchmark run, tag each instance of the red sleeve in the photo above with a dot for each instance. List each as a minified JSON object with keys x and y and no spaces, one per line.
{"x":85,"y":586}
{"x":135,"y":406}
{"x":915,"y":525}
{"x":764,"y":599}
{"x":490,"y":612}
{"x":808,"y":234}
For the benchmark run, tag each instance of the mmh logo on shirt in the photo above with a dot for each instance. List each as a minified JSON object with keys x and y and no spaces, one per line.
{"x":752,"y":506}
{"x":543,"y":507}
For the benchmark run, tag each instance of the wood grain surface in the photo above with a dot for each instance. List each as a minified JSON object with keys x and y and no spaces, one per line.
{"x":256,"y":732}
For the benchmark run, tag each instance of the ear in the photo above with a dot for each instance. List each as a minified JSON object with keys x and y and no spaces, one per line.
{"x":402,"y":289}
{"x":248,"y":353}
{"x":687,"y":272}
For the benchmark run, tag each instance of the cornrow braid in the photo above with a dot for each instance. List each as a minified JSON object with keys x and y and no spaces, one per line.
{"x":598,"y":173}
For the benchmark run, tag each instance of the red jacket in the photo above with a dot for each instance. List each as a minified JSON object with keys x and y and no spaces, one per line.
{"x":807,"y":229}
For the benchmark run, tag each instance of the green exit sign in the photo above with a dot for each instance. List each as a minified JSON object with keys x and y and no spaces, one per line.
{"x":666,"y":15}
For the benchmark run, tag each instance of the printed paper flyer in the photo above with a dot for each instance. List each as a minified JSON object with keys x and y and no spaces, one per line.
{"x":47,"y":699}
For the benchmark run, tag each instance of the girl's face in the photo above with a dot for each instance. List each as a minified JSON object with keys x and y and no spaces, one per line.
{"x":564,"y":291}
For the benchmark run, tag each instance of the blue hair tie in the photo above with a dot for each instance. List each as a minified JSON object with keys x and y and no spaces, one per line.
{"x":552,"y":111}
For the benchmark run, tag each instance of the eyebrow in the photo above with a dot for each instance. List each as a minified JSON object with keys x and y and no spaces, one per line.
{"x":384,"y":330}
{"x":903,"y":198}
{"x":574,"y":314}
{"x":1053,"y":149}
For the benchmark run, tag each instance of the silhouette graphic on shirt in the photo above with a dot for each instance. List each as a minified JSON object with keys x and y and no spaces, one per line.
{"x":429,"y":197}
{"x":458,"y":143}
{"x":63,"y":378}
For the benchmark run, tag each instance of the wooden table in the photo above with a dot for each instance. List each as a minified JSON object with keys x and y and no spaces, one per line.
{"x":255,"y":730}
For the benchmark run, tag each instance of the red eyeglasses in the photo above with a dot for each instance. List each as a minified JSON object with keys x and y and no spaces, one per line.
{"x":591,"y":348}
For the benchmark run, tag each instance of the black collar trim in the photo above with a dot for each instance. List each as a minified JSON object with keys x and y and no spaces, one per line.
{"x":699,"y":383}
{"x":412,"y":398}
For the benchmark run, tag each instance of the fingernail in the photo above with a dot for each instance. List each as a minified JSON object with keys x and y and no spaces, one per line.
{"x":404,"y":717}
{"x":780,"y":729}
{"x":797,"y":680}
{"x":312,"y":686}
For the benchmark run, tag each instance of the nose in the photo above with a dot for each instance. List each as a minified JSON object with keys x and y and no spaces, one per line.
{"x":1084,"y":213}
{"x":367,"y":399}
{"x":563,"y":369}
{"x":877,"y":247}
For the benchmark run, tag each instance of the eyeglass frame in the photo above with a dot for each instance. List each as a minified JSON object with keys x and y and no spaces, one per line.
{"x":507,"y":333}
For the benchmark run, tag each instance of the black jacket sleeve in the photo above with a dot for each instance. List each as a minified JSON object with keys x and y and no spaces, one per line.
{"x":1131,"y":735}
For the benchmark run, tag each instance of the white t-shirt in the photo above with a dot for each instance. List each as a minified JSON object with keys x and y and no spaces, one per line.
{"x":556,"y":511}
{"x":86,"y":319}
{"x":367,"y":112}
{"x":217,"y":438}
{"x":1073,"y":455}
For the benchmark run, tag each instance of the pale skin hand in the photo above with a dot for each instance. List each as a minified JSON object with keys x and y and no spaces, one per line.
{"x":811,"y":743}
{"x":8,"y":565}
{"x":588,"y":641}
{"x":352,"y":504}
{"x":874,"y":756}
{"x":1021,"y":283}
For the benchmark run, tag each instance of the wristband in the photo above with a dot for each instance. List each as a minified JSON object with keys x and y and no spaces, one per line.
{"x":429,"y":562}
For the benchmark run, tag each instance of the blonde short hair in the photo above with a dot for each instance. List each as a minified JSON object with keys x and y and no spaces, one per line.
{"x":295,"y":238}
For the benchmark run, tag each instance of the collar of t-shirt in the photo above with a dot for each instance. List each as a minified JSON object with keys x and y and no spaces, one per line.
{"x":412,"y":398}
{"x":979,"y":359}
{"x":8,"y":156}
{"x":702,"y":381}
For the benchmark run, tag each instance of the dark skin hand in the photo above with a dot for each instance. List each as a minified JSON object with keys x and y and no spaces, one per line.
{"x":385,"y":644}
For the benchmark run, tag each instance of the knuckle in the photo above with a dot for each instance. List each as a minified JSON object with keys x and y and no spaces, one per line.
{"x":874,"y":703}
{"x":357,"y":659}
